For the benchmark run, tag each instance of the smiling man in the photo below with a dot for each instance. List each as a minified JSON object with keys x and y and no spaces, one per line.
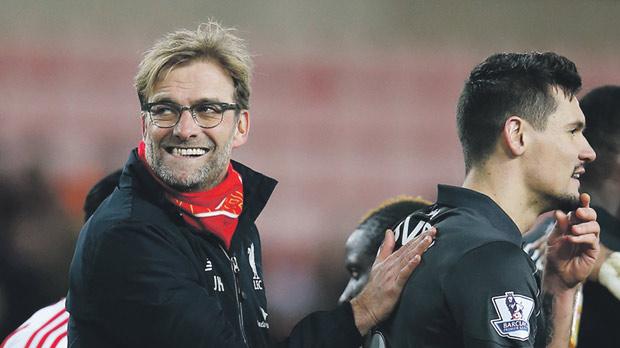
{"x":521,"y":130}
{"x":186,"y":157}
{"x":172,"y":258}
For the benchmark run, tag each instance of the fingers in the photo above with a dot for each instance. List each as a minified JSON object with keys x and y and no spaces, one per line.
{"x":580,"y":215}
{"x":413,"y":254}
{"x":407,"y":257}
{"x":564,"y":227}
{"x":420,"y":243}
{"x":584,"y":239}
{"x":585,"y":214}
{"x":386,"y":247}
{"x":388,"y":276}
{"x":584,"y":198}
{"x":562,"y":224}
{"x":417,"y":246}
{"x":585,"y":228}
{"x":406,"y":271}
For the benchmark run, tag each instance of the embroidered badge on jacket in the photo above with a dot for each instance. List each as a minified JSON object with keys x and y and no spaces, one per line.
{"x":257,"y":282}
{"x":514,"y":313}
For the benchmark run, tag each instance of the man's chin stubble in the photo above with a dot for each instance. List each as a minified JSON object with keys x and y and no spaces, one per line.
{"x":567,"y":203}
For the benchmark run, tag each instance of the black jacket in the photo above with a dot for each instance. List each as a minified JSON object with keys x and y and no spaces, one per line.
{"x":475,"y":287}
{"x":141,"y":277}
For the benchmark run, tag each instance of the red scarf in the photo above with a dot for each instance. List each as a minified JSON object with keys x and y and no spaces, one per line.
{"x":216,"y":210}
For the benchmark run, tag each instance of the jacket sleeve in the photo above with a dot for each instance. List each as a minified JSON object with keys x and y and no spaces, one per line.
{"x":493,"y":296}
{"x":145,"y":293}
{"x":335,"y":328}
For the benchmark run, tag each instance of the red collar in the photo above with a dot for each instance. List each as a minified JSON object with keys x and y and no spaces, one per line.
{"x":215,"y":211}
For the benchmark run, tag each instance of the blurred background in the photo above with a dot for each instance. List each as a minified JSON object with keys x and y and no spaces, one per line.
{"x":353,"y":102}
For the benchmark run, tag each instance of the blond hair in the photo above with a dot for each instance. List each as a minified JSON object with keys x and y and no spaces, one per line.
{"x":210,"y":41}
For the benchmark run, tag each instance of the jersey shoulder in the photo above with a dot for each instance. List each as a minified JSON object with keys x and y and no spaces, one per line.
{"x":460,"y":224}
{"x":45,"y":328}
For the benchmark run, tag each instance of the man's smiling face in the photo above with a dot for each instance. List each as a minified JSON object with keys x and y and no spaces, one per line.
{"x":558,"y":156}
{"x":188,"y":157}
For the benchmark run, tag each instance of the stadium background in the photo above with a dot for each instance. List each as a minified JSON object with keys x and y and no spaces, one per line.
{"x":353,"y":102}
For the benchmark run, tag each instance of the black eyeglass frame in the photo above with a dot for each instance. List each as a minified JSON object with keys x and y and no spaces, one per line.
{"x":192,"y":110}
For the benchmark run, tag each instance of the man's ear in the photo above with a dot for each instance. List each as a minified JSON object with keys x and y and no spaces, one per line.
{"x":513,"y":135}
{"x":242,"y":128}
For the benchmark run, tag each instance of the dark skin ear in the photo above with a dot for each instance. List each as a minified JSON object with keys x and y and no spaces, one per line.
{"x":513,"y":136}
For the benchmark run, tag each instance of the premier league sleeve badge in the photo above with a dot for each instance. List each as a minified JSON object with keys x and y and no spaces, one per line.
{"x":514,"y":313}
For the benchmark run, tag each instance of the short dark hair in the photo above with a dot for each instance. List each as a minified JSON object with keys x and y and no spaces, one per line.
{"x":99,"y":192}
{"x":601,"y":107}
{"x":387,"y":215}
{"x":508,"y":84}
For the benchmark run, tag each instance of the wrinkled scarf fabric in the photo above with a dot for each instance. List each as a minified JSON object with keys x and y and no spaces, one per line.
{"x":213,"y":211}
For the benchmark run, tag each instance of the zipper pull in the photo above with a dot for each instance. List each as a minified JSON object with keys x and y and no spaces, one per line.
{"x":235,"y":265}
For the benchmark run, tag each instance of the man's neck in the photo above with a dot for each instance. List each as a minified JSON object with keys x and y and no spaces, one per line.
{"x":503,"y":186}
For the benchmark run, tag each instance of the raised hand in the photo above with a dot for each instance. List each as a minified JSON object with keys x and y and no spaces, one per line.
{"x":572,"y":248}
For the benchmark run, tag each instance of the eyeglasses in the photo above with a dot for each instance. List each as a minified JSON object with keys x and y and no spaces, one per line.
{"x":206,"y":115}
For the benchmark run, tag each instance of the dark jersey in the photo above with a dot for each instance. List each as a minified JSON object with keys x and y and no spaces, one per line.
{"x":475,"y":287}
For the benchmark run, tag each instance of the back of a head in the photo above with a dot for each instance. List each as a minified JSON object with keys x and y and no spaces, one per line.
{"x":99,"y":192}
{"x":387,"y":215}
{"x":601,"y":107}
{"x":507,"y":84}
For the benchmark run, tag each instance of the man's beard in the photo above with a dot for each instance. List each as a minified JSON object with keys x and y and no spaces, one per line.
{"x":205,"y":178}
{"x":564,"y":203}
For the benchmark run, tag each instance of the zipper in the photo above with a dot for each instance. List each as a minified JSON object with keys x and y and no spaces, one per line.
{"x":235,"y":268}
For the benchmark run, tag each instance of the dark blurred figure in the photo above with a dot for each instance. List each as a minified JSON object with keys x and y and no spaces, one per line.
{"x":49,"y":324}
{"x":100,"y":192}
{"x":35,"y":247}
{"x":363,"y":243}
{"x":601,"y":308}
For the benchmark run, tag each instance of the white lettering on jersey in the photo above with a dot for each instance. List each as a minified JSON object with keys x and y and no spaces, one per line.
{"x":419,"y":228}
{"x":217,"y":283}
{"x":433,"y":213}
{"x":404,"y":235}
{"x":403,"y":226}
